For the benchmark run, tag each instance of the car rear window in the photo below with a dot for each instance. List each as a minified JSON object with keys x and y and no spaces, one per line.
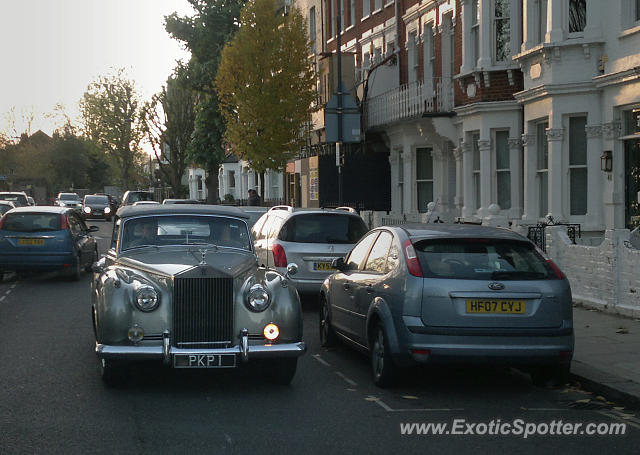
{"x":139,"y":196}
{"x":4,"y":208}
{"x":481,"y":259}
{"x":323,"y":228}
{"x":31,"y":222}
{"x":96,"y":200}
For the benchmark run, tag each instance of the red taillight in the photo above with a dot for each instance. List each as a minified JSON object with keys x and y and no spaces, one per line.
{"x":412,"y":259}
{"x":64,"y":222}
{"x":279,"y":256}
{"x":2,"y":220}
{"x":556,"y":269}
{"x":421,"y":351}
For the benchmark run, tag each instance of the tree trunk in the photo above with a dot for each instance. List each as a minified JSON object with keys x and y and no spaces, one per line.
{"x":261,"y":177}
{"x":212,"y":185}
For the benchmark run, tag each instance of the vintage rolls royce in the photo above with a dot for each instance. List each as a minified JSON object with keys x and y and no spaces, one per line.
{"x":181,"y":284}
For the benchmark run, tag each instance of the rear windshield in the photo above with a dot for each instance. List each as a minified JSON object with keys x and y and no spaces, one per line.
{"x":323,"y":228}
{"x":31,"y":222}
{"x":481,"y":259}
{"x":96,"y":200}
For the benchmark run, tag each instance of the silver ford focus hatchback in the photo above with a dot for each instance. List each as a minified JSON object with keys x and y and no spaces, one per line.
{"x":449,"y":294}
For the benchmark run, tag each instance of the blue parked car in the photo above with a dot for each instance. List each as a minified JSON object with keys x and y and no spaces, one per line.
{"x":41,"y":239}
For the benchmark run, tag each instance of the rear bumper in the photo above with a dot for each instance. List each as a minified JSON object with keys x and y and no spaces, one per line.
{"x":308,"y":286}
{"x":40,"y":262}
{"x":521,"y":347}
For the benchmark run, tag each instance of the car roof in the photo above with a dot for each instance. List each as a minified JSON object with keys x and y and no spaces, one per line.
{"x":286,"y":212}
{"x":418,"y":231}
{"x":13,"y":192}
{"x":42,"y":209}
{"x":178,"y":209}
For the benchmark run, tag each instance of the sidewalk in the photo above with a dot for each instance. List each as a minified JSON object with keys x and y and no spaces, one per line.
{"x":607,"y":355}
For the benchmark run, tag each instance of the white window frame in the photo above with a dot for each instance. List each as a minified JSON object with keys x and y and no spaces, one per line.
{"x":474,"y":40}
{"x":577,"y":166}
{"x":475,"y":169}
{"x":312,"y":29}
{"x":494,"y":34}
{"x":366,"y":9}
{"x":579,"y":33}
{"x":231,"y":178}
{"x":429,"y":152}
{"x":505,"y":171}
{"x":377,"y":6}
{"x":541,"y":143}
{"x":542,"y":10}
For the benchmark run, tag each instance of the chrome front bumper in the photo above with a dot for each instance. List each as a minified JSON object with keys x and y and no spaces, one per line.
{"x":166,"y":352}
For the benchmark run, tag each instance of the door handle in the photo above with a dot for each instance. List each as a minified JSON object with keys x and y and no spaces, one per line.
{"x":346,"y":286}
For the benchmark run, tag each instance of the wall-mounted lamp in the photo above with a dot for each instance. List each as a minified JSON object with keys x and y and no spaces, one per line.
{"x":606,"y":161}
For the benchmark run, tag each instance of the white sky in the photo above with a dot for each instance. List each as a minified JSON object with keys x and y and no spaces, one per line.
{"x":50,"y":50}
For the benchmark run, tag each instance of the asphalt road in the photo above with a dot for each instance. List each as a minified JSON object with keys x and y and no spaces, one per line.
{"x":53,"y":401}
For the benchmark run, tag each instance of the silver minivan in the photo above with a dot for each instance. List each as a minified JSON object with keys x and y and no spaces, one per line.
{"x":310,"y":238}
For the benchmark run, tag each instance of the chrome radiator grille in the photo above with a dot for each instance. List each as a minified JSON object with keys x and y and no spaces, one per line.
{"x":202,"y":312}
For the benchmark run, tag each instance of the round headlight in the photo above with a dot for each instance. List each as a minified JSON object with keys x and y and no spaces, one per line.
{"x":258,"y":298}
{"x":146,"y":298}
{"x":107,"y":210}
{"x":87,"y":210}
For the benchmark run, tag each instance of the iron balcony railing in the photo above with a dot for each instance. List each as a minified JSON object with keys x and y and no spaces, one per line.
{"x":408,"y":101}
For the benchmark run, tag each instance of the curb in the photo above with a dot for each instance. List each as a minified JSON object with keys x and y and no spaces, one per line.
{"x":617,"y":389}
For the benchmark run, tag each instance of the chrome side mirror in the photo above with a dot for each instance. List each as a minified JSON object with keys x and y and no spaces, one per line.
{"x":99,"y":265}
{"x":292,"y":269}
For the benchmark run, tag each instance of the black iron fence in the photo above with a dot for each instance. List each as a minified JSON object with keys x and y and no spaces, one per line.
{"x":537,"y":233}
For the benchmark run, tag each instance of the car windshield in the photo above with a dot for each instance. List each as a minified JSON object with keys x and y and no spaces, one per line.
{"x":19,"y":198}
{"x":31,"y":222}
{"x":481,"y":259}
{"x":69,"y":197}
{"x":323,"y":228}
{"x":185,"y":230}
{"x":96,"y":200}
{"x":4,"y":208}
{"x":139,"y":196}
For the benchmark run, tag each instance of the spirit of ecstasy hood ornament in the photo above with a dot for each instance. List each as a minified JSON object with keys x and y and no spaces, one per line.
{"x":203,"y":252}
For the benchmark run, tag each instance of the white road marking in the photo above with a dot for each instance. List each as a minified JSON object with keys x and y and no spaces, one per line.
{"x":2,"y":298}
{"x":7,"y":292}
{"x":321,"y":360}
{"x":621,"y":418}
{"x":347,"y":380}
{"x":13,"y":286}
{"x":388,"y":408}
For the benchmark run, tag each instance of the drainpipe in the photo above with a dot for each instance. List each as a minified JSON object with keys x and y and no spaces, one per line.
{"x":397,"y":38}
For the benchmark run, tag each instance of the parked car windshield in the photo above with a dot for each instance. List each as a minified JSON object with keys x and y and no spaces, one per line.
{"x":69,"y":197}
{"x":96,"y":200}
{"x":481,"y":259}
{"x":31,"y":222}
{"x":323,"y":228}
{"x":136,"y":196}
{"x":185,"y":230}
{"x":19,"y":198}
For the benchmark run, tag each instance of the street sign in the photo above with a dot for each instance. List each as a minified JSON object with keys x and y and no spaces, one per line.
{"x":350,"y":118}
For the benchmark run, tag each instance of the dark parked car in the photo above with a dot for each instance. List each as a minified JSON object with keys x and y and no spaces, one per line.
{"x":96,"y":206}
{"x":39,"y":239}
{"x":450,"y":294}
{"x":181,"y":285}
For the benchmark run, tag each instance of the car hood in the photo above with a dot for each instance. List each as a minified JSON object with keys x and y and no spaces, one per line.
{"x":174,"y":260}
